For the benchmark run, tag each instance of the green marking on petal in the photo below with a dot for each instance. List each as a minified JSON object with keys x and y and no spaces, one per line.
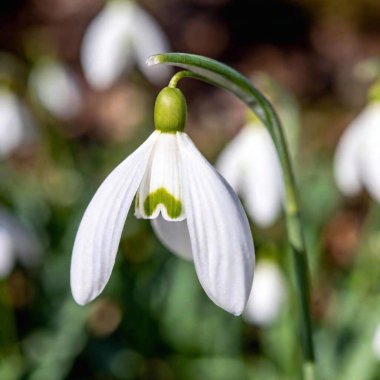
{"x":374,"y":92}
{"x":162,"y":196}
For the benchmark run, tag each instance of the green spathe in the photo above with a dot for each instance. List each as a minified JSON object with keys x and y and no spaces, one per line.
{"x":170,"y":111}
{"x":162,"y":196}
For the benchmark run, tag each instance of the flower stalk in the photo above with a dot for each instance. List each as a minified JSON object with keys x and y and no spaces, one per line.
{"x":223,"y":76}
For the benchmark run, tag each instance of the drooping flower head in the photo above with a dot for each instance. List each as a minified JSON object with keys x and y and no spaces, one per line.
{"x":16,"y":123}
{"x":249,"y":161}
{"x":193,"y":210}
{"x":250,"y":165}
{"x":49,"y":78}
{"x":17,"y":243}
{"x":357,"y":157}
{"x":121,"y":35}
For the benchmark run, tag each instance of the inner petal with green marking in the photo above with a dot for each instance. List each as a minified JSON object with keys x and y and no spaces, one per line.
{"x":162,"y":198}
{"x":160,"y":190}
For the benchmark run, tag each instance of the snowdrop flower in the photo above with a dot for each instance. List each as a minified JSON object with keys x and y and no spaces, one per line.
{"x":122,"y":33}
{"x":191,"y":206}
{"x":357,"y":157}
{"x":376,"y":342}
{"x":16,"y":243}
{"x":251,"y":166}
{"x":50,"y":78}
{"x":267,"y":296}
{"x":16,"y":124}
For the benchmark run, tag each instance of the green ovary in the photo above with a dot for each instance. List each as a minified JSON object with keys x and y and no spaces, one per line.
{"x":162,"y":196}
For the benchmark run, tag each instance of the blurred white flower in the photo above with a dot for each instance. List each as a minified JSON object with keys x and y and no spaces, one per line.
{"x":268,"y":294}
{"x":357,"y":157}
{"x":16,"y":123}
{"x":193,"y":209}
{"x":56,"y":88}
{"x":7,"y":257}
{"x":251,"y":166}
{"x":17,"y":243}
{"x":120,"y":35}
{"x":376,"y":342}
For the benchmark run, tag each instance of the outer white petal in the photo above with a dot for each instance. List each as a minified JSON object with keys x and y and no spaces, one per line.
{"x":174,"y":236}
{"x":106,"y":49}
{"x":56,"y":89}
{"x":262,"y":186}
{"x":7,"y":255}
{"x":347,"y":161}
{"x":370,"y":153}
{"x":267,"y":295}
{"x":162,"y":179}
{"x":100,"y":230}
{"x":219,"y":231}
{"x":12,"y":128}
{"x":149,"y":39}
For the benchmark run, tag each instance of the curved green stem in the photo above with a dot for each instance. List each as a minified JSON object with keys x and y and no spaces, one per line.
{"x":223,"y":76}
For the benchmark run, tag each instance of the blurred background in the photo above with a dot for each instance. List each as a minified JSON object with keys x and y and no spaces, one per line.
{"x":76,"y":99}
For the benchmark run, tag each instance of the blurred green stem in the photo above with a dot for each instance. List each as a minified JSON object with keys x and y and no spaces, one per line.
{"x":223,"y":76}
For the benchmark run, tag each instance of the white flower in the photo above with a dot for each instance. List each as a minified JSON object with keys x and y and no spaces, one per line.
{"x":267,"y":296}
{"x":189,"y":203}
{"x":121,"y":34}
{"x":16,"y":243}
{"x":7,"y":258}
{"x":16,"y":125}
{"x":376,"y":342}
{"x":56,"y":88}
{"x":357,"y":158}
{"x":250,"y":164}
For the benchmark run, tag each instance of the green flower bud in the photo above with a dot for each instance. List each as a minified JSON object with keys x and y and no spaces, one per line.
{"x":170,"y":111}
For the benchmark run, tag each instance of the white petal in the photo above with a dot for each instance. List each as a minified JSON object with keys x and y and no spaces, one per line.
{"x":161,"y":188}
{"x":174,"y":236}
{"x":231,"y":160}
{"x":370,"y":154}
{"x":219,"y":231}
{"x":7,"y":256}
{"x":149,"y":39}
{"x":106,"y":49}
{"x":376,"y":342}
{"x":348,"y":155}
{"x":250,"y":164}
{"x":12,"y":127}
{"x":49,"y":78}
{"x":100,"y":230}
{"x":25,"y":245}
{"x":267,"y":295}
{"x":262,"y":187}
